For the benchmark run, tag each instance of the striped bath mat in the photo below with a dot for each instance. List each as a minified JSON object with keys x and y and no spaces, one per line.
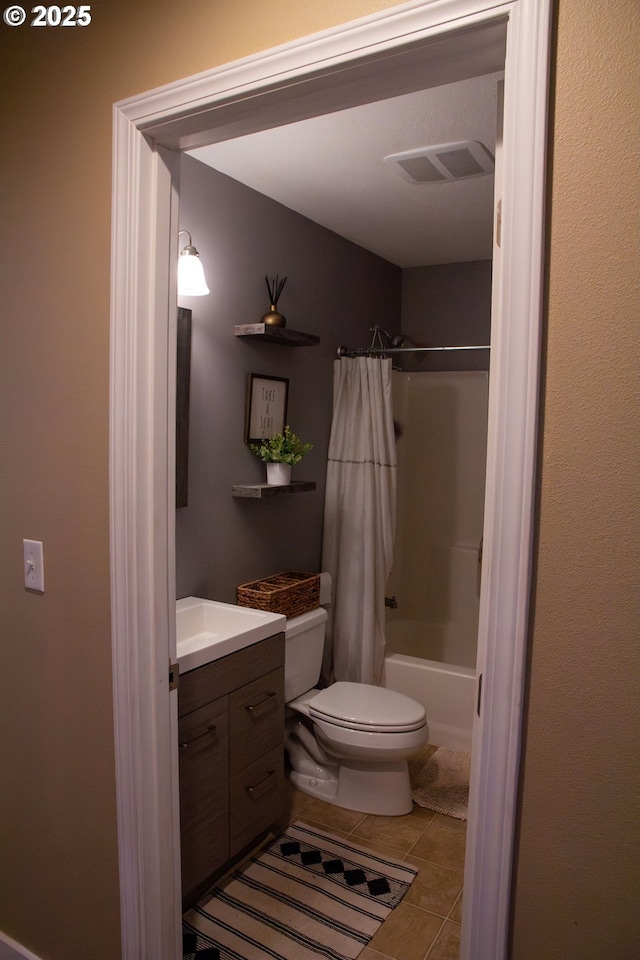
{"x":306,"y":896}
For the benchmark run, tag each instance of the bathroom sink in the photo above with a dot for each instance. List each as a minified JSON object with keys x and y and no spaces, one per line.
{"x":207,"y":630}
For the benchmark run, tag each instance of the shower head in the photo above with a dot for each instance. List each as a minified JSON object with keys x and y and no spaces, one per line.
{"x":401,"y":341}
{"x":382,"y":341}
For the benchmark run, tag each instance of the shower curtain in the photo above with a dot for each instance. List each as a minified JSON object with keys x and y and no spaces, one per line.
{"x":359,"y":518}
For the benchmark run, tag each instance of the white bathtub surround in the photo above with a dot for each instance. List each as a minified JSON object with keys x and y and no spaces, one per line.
{"x":449,"y":641}
{"x":432,"y":635}
{"x":447,"y":694}
{"x":441,"y":487}
{"x":360,"y":512}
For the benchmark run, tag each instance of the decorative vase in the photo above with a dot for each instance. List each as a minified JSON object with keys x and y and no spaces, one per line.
{"x":273,"y":318}
{"x":278,"y":474}
{"x":274,"y":286}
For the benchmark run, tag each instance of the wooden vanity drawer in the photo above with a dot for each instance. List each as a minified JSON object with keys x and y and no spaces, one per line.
{"x":256,"y":798}
{"x":256,"y":719}
{"x":203,"y":738}
{"x":220,"y":677}
{"x":204,"y":793}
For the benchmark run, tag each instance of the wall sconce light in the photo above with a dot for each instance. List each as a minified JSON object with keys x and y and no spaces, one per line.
{"x":191,"y":281}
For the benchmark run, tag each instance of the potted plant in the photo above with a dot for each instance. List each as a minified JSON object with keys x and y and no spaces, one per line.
{"x":281,"y":452}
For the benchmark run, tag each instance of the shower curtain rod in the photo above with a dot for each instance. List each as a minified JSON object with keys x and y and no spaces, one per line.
{"x":381,"y":351}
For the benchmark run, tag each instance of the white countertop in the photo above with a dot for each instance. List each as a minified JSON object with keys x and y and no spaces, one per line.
{"x":207,"y":630}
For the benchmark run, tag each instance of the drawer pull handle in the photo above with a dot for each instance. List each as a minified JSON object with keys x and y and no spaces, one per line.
{"x":259,"y":788}
{"x":210,"y":729}
{"x":252,"y":708}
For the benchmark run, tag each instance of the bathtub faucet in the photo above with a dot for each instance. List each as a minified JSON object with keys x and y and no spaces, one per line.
{"x":391,"y":602}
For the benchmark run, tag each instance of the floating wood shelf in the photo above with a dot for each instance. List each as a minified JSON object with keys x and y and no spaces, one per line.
{"x":267,"y":333}
{"x":259,"y":491}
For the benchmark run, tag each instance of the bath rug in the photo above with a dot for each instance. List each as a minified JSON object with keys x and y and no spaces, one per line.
{"x":440,"y":782}
{"x":306,"y":896}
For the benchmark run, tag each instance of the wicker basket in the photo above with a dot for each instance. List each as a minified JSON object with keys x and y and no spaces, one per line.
{"x":287,"y":593}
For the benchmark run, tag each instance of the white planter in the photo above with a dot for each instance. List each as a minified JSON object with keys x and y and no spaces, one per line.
{"x":278,"y":474}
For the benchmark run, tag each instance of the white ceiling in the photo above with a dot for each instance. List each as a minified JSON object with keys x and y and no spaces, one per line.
{"x":331,"y":169}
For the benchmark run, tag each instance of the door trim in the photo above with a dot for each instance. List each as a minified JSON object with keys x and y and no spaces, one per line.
{"x":143,"y":298}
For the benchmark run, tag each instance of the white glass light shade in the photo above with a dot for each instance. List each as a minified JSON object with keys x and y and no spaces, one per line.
{"x":191,"y":281}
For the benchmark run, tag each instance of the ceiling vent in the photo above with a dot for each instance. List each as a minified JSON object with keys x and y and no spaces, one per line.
{"x":446,"y":161}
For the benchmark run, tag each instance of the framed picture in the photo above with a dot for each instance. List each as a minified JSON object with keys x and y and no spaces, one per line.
{"x":266,"y":411}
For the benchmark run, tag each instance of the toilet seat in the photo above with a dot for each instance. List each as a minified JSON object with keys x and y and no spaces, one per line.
{"x":361,"y":706}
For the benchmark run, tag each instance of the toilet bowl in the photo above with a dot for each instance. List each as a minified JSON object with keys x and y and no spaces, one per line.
{"x":350,"y":742}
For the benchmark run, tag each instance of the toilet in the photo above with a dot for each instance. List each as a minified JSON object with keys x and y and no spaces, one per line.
{"x":349,"y":743}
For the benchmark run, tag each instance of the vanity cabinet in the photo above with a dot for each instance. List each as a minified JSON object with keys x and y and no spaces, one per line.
{"x":231,"y":732}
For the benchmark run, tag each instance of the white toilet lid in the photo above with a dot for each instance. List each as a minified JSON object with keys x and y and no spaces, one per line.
{"x":361,"y":706}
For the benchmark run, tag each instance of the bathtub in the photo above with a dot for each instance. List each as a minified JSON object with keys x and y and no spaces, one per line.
{"x":447,"y":691}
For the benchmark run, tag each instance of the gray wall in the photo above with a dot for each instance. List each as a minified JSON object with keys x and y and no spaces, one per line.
{"x":335,"y":290}
{"x":447,"y":304}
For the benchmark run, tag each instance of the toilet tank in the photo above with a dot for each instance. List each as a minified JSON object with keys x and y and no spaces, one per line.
{"x":303,"y":650}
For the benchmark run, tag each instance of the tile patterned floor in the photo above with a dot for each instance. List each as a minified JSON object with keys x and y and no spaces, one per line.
{"x":426,"y":925}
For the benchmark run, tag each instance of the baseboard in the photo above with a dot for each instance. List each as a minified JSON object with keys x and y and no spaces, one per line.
{"x":11,"y":950}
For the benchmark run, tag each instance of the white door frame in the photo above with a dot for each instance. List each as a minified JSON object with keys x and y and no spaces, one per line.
{"x":227,"y":100}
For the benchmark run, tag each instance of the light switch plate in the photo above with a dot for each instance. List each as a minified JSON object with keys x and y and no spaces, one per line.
{"x":33,"y":565}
